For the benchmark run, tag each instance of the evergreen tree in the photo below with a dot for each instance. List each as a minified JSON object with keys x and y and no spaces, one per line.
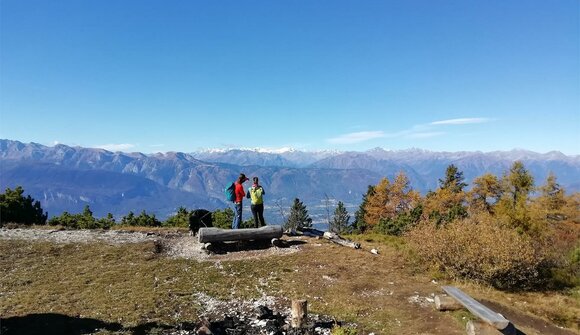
{"x":146,"y":220}
{"x":180,"y":219}
{"x":401,"y":223}
{"x":86,"y":220}
{"x":447,"y":203}
{"x":359,"y":223}
{"x":298,"y":217}
{"x":129,"y":219}
{"x":16,"y":208}
{"x":453,"y":180}
{"x":106,"y":222}
{"x":340,"y":220}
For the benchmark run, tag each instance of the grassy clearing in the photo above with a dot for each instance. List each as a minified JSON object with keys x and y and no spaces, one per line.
{"x":135,"y":284}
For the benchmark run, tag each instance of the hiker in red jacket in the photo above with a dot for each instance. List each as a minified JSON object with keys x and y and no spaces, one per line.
{"x":240,"y":194}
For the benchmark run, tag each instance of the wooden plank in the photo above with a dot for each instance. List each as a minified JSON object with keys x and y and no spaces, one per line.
{"x":479,"y":310}
{"x":206,"y":235}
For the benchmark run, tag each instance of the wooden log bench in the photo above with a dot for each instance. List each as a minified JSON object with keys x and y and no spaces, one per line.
{"x":492,"y":322}
{"x":211,"y":234}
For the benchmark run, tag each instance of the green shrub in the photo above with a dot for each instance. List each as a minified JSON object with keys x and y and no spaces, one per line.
{"x":223,"y":218}
{"x":338,"y":330}
{"x":567,"y":274}
{"x":84,"y":220}
{"x":180,"y":219}
{"x":142,"y":220}
{"x":398,"y":225}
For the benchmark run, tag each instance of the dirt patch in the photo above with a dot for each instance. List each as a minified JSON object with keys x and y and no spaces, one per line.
{"x":524,"y":321}
{"x":174,"y":244}
{"x":77,"y":236}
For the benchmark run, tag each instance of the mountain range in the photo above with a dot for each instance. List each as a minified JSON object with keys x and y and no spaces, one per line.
{"x":66,"y":178}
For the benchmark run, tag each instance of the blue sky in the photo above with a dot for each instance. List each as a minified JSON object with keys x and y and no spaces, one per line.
{"x":154,"y":76}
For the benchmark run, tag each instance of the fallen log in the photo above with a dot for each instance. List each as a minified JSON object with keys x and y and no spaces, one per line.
{"x":222,"y":235}
{"x":333,"y":237}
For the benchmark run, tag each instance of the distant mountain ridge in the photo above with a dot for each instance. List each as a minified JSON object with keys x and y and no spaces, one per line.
{"x":67,"y":178}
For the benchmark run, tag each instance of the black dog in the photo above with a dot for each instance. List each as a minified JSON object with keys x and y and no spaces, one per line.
{"x":199,"y":218}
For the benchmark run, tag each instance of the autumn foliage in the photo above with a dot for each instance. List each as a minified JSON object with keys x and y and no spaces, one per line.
{"x":481,"y":249}
{"x":503,"y":231}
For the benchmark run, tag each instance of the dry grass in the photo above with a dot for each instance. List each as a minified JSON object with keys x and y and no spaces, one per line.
{"x":135,"y":284}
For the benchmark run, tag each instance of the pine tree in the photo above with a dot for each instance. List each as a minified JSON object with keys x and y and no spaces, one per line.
{"x":16,"y":208}
{"x":359,"y":216}
{"x":340,"y":220}
{"x":453,"y":180}
{"x":298,"y":217}
{"x":447,"y":203}
{"x":180,"y":219}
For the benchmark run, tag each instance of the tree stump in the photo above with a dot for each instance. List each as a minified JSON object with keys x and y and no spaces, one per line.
{"x":299,"y":313}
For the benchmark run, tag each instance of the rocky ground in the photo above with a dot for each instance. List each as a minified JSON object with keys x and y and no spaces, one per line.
{"x":174,"y":244}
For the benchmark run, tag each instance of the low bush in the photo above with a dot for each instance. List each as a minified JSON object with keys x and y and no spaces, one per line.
{"x":84,"y":220}
{"x":481,"y":249}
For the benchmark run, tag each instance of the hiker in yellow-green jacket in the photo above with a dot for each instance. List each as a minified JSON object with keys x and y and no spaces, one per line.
{"x":256,"y":193}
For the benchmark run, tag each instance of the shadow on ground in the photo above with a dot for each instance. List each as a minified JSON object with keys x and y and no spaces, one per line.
{"x":49,"y":324}
{"x":227,"y":247}
{"x":521,"y":320}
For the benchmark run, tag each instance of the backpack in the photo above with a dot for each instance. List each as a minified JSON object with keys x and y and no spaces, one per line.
{"x":256,"y":194}
{"x":230,"y":192}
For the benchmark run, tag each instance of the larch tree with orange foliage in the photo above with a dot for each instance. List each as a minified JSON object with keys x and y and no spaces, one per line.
{"x":391,"y":201}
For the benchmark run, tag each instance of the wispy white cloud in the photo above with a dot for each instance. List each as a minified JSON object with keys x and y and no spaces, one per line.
{"x":116,"y":147}
{"x":418,"y":131}
{"x":356,"y":137}
{"x":425,"y":134}
{"x":461,"y":121}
